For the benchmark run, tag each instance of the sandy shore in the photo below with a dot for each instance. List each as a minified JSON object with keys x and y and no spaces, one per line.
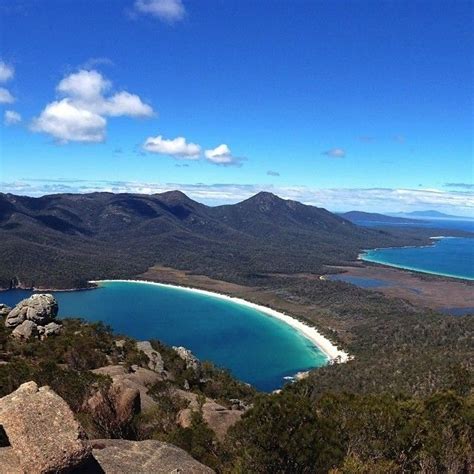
{"x":311,"y":333}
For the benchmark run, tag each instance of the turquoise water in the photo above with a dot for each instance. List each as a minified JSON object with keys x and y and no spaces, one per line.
{"x":256,"y":348}
{"x":452,"y":257}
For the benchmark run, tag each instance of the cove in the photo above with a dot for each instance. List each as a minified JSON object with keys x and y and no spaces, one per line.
{"x":256,"y":348}
{"x":450,"y":256}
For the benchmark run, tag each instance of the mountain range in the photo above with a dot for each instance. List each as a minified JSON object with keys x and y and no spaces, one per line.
{"x":65,"y":240}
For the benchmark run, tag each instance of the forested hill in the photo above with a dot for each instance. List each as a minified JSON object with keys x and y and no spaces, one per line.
{"x":64,"y":240}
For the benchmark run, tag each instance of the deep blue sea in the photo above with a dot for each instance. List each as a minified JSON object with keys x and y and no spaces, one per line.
{"x":255,"y":347}
{"x":452,"y":256}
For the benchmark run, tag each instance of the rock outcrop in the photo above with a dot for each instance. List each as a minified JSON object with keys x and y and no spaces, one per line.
{"x":4,"y":310}
{"x":155,"y":361}
{"x":137,"y":379}
{"x":192,"y":362}
{"x":217,"y":417}
{"x":114,"y":409}
{"x":42,"y":430}
{"x":33,"y":317}
{"x":25,"y":330}
{"x":145,"y":457}
{"x":39,"y":308}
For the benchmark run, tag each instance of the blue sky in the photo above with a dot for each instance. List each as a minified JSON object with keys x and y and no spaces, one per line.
{"x":344,"y":104}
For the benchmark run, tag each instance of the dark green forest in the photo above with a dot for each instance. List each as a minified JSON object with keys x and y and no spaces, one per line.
{"x":65,"y":240}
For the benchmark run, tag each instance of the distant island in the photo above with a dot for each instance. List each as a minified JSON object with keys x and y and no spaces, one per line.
{"x":433,"y":215}
{"x":359,"y":216}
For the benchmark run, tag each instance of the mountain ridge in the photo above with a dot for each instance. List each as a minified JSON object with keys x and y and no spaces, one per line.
{"x":65,"y":240}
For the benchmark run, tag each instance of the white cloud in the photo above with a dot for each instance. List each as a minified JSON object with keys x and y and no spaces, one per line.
{"x":6,"y":97}
{"x":6,"y":72}
{"x":81,"y":115}
{"x":66,"y":122}
{"x":10,"y":117}
{"x":170,"y":11}
{"x":221,"y":155}
{"x":125,"y":103}
{"x":177,"y":147}
{"x":84,"y":85}
{"x":335,"y":153}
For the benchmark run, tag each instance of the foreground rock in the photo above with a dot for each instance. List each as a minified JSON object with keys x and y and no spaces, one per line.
{"x":155,"y":361}
{"x":25,"y":330}
{"x":33,"y":317}
{"x":115,"y":409}
{"x":145,"y":457}
{"x":138,"y":379}
{"x":218,"y":418}
{"x":42,"y":430}
{"x":41,"y":309}
{"x":4,"y":310}
{"x":192,"y":362}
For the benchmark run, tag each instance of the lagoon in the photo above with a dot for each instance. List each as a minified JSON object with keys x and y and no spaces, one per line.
{"x":255,"y":347}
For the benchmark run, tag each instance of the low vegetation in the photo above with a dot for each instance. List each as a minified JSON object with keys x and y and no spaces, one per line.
{"x":330,"y":422}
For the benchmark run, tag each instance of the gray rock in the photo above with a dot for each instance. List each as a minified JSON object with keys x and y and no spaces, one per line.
{"x":9,"y":462}
{"x":139,"y":379}
{"x":116,"y":408}
{"x":25,"y":330}
{"x":39,"y":308}
{"x":192,"y":362}
{"x":51,"y":329}
{"x":217,"y":417}
{"x":120,"y":343}
{"x":145,"y":457}
{"x":42,"y":430}
{"x":4,"y":310}
{"x":155,"y":361}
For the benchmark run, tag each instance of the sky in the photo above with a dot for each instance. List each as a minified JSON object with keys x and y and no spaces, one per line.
{"x":345,"y":104}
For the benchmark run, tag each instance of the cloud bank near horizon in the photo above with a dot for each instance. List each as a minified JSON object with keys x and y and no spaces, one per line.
{"x":336,"y":199}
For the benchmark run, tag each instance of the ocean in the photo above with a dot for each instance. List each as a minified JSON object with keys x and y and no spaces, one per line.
{"x":255,"y":347}
{"x":451,"y":257}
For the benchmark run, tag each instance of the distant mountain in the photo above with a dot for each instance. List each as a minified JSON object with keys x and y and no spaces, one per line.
{"x":64,"y":240}
{"x":433,"y":215}
{"x":358,"y":216}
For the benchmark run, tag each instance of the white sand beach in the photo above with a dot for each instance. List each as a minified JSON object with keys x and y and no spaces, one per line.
{"x":311,"y":333}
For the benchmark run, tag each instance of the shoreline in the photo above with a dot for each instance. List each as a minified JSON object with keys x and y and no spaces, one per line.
{"x":309,"y":332}
{"x":413,"y":269}
{"x":365,"y":257}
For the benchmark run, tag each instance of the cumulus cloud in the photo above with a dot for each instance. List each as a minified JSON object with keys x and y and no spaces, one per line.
{"x":10,"y":117}
{"x":221,"y":155}
{"x":335,"y":153}
{"x":169,"y":11}
{"x":273,"y":173}
{"x":66,"y":122}
{"x":5,"y":96}
{"x":177,"y":147}
{"x":6,"y":72}
{"x":81,"y":115}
